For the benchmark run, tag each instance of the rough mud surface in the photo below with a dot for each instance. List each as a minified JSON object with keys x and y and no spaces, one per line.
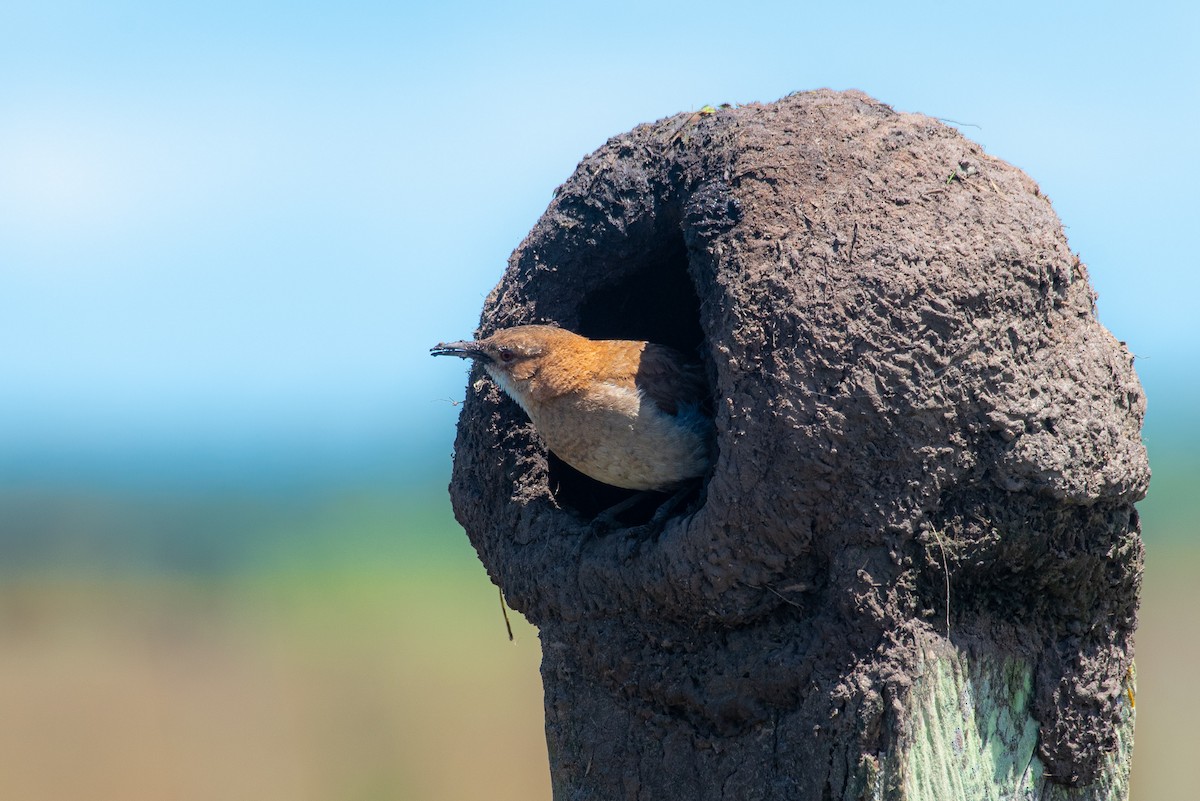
{"x":907,"y":372}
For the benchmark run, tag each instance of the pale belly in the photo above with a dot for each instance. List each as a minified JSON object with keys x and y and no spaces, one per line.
{"x":624,"y":440}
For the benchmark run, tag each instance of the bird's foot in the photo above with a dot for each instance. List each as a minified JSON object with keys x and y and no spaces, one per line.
{"x":608,"y":519}
{"x":668,"y":506}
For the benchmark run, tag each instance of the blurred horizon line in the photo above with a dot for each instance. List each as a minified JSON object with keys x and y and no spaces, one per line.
{"x":204,"y":462}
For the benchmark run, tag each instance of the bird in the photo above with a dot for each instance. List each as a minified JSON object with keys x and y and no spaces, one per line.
{"x":627,"y":413}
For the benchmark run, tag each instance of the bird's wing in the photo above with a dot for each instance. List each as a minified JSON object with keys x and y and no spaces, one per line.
{"x":669,"y":379}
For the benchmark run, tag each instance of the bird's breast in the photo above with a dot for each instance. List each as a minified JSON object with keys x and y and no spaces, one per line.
{"x":616,"y":435}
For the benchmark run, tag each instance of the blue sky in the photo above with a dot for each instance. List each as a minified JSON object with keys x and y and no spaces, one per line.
{"x":242,"y":225}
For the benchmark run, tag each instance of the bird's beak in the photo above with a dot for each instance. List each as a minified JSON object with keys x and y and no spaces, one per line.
{"x":463,"y":350}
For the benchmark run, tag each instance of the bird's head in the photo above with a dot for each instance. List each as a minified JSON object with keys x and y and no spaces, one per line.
{"x":513,"y":356}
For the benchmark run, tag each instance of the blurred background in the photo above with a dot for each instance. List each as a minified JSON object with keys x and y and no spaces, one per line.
{"x":229,"y":232}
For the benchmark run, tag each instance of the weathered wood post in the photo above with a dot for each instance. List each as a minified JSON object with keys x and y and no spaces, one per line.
{"x":913,"y":572}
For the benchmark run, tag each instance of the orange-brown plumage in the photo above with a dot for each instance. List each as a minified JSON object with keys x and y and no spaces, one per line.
{"x":623,"y":412}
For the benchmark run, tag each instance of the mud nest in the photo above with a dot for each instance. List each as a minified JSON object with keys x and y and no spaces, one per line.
{"x":912,"y":395}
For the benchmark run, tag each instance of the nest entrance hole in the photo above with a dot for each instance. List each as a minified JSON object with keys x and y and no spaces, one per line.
{"x":652,"y":299}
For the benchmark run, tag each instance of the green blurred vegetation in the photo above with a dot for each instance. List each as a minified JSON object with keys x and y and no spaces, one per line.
{"x":343,"y":642}
{"x":1168,"y":639}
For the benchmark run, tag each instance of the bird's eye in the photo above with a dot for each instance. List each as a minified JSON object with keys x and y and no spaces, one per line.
{"x":506,"y":355}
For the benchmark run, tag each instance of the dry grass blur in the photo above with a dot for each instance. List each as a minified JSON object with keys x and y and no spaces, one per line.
{"x":1168,"y":660}
{"x":357,"y":687}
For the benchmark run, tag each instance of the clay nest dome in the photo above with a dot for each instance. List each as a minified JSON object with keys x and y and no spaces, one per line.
{"x":909,"y":384}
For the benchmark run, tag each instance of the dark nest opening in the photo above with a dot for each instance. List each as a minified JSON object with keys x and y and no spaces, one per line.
{"x":653,"y":299}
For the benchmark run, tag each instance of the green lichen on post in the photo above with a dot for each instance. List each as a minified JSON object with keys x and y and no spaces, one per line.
{"x":971,"y":736}
{"x":971,"y":732}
